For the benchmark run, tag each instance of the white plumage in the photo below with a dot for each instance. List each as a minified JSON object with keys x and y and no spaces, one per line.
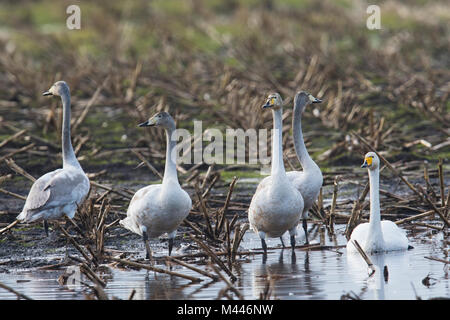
{"x":376,"y":236}
{"x":158,"y":209}
{"x":276,"y":206}
{"x":59,"y":192}
{"x":310,"y":180}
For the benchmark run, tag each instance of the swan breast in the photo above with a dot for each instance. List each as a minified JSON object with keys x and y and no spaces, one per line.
{"x":275,"y":212}
{"x":150,"y":207}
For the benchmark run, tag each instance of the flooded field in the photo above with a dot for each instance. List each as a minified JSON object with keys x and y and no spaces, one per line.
{"x":337,"y":89}
{"x":325,"y":274}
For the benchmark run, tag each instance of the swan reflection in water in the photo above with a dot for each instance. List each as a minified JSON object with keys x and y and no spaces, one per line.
{"x":390,"y":269}
{"x":148,"y":286}
{"x":289,"y":279}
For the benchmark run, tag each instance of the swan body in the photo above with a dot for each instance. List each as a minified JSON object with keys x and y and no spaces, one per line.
{"x":376,"y":235}
{"x":160,"y":208}
{"x":310,"y":180}
{"x":276,"y":206}
{"x":59,"y":192}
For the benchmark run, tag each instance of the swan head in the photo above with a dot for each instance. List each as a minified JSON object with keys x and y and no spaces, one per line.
{"x":303,"y":98}
{"x":371,"y":161}
{"x":161,"y":119}
{"x":273,"y":101}
{"x":57,"y":89}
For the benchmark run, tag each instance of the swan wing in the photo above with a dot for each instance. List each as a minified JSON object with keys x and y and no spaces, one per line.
{"x":58,"y":188}
{"x":308,"y":184}
{"x":137,"y":206}
{"x":67,"y":186}
{"x":394,"y":237}
{"x":142,"y":193}
{"x":40,"y":191}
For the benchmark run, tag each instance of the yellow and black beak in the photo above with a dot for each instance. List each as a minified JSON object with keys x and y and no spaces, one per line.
{"x":269,"y":103}
{"x":149,"y":123}
{"x":314,"y":99}
{"x":367,"y":162}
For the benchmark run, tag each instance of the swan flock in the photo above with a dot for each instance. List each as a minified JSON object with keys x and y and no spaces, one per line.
{"x":280,"y":203}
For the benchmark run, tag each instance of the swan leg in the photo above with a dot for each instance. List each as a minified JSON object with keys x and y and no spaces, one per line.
{"x":282,"y":242}
{"x":171,"y":238}
{"x":262,"y":235}
{"x":170,"y":245}
{"x":293,"y":242}
{"x":264,"y":246}
{"x":305,"y":228}
{"x":293,"y":233}
{"x":148,"y":254}
{"x":46,"y":227}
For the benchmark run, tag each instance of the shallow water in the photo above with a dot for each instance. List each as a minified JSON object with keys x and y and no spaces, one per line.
{"x":326,"y":274}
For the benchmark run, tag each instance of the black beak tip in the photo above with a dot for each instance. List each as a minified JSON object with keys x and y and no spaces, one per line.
{"x":317,"y":101}
{"x":47,"y":93}
{"x":143,"y":124}
{"x":266,"y":106}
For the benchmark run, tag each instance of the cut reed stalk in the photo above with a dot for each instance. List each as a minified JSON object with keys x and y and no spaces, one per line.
{"x":15,"y":152}
{"x":12,"y":194}
{"x":441,"y":182}
{"x":193,"y":268}
{"x":152,"y":268}
{"x":76,"y":245}
{"x":365,"y":257}
{"x":152,"y":168}
{"x":228,"y":283}
{"x":214,"y":257}
{"x":18,"y":294}
{"x":9,"y":226}
{"x":12,"y":138}
{"x":433,"y":206}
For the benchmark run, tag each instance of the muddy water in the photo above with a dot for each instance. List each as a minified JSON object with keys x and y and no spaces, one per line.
{"x":326,"y":274}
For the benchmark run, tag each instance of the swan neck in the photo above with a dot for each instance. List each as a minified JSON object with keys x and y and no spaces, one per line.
{"x":69,"y":158}
{"x":375,"y":215}
{"x":170,"y":170}
{"x":277,"y":144}
{"x":299,"y":143}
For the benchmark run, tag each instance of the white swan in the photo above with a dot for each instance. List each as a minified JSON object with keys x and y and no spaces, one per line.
{"x":276,"y":206}
{"x":309,"y":181}
{"x":59,"y":192}
{"x":376,"y":235}
{"x":159,"y":208}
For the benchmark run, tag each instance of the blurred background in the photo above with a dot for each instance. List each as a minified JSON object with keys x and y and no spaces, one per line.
{"x":216,"y":61}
